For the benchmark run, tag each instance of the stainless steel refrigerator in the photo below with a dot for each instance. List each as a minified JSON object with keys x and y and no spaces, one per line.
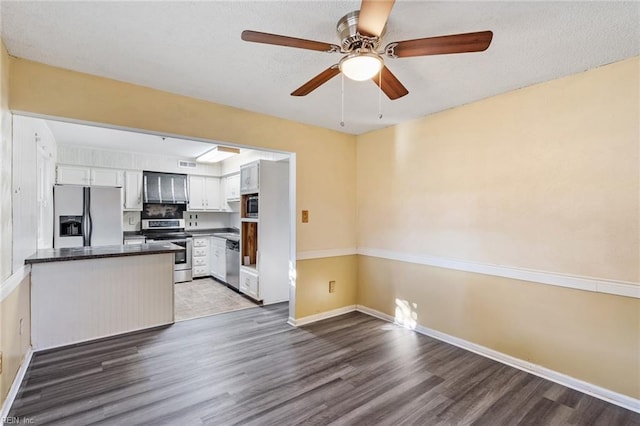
{"x":86,"y":216}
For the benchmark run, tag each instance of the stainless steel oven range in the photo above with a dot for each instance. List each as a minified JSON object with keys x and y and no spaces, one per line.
{"x":172,"y":231}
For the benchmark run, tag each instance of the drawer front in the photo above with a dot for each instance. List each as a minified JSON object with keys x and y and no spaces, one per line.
{"x":200,"y":261}
{"x":249,"y":284}
{"x":134,"y":241}
{"x":200,"y":252}
{"x":200,"y":242}
{"x":200,"y":271}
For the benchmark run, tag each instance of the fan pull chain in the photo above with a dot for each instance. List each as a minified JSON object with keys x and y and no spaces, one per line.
{"x":342,"y":102}
{"x":380,"y":95}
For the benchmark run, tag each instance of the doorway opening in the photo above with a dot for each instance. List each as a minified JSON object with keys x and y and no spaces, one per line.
{"x":236,"y":219}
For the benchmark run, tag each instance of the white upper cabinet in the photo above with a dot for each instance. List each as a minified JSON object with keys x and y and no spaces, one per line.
{"x":250,"y":178}
{"x":133,"y":190}
{"x":196,"y":193}
{"x":212,"y":193}
{"x":232,"y":188}
{"x":107,"y":177}
{"x":204,"y":193}
{"x":73,"y":175}
{"x":80,"y":175}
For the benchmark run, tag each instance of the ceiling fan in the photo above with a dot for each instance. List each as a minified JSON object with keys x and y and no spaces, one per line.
{"x":360,"y":33}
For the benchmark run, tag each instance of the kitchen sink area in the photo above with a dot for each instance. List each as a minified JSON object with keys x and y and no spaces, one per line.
{"x":212,"y":257}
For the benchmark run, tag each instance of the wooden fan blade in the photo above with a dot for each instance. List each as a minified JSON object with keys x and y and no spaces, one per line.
{"x":279,"y":40}
{"x":455,"y":43}
{"x":391,"y":86}
{"x":373,"y":16}
{"x":317,"y":81}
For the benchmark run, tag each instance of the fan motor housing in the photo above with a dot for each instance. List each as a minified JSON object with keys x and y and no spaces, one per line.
{"x":351,"y":39}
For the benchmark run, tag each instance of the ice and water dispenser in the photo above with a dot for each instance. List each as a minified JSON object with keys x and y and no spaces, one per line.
{"x":71,"y":226}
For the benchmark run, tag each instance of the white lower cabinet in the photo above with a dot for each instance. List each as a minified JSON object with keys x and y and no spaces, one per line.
{"x":218,"y":260}
{"x":249,"y":283}
{"x":200,"y":257}
{"x":200,"y":271}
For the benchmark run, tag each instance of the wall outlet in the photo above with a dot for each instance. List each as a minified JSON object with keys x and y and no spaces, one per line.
{"x":21,"y":325}
{"x":305,"y":216}
{"x":332,"y":286}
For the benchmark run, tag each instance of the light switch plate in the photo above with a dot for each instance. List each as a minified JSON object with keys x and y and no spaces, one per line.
{"x":305,"y":216}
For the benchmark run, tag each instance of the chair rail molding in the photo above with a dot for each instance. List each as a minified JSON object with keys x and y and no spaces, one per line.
{"x":598,"y":285}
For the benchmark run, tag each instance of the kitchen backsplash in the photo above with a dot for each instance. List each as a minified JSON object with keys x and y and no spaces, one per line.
{"x":234,"y":220}
{"x":207,"y":220}
{"x":131,"y":221}
{"x":201,"y":220}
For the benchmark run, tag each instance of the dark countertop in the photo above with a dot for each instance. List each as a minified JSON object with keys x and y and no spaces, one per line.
{"x":83,"y":253}
{"x":132,"y":234}
{"x":212,"y":231}
{"x":226,"y":233}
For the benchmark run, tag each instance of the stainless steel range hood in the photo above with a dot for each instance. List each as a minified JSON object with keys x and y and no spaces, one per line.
{"x":165,"y":188}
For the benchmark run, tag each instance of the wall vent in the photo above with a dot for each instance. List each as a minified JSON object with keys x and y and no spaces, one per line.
{"x":187,"y":164}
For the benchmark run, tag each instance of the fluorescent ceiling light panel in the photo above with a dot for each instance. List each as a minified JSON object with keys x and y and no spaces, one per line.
{"x":218,"y":153}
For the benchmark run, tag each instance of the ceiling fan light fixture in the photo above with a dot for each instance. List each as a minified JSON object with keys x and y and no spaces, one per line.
{"x":217,"y":154}
{"x":361,"y":66}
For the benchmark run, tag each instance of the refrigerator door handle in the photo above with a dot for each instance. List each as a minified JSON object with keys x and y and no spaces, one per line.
{"x":86,"y":217}
{"x":146,"y":195}
{"x":186,"y":193}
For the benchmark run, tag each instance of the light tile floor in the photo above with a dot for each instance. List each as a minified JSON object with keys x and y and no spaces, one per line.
{"x":205,"y":296}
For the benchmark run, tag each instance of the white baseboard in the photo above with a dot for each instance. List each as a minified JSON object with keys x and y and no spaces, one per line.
{"x":619,"y":399}
{"x":321,"y":316}
{"x":15,"y":386}
{"x":374,"y":313}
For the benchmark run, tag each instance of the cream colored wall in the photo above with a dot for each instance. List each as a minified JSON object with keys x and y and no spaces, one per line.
{"x":324,"y":159}
{"x":314,"y":297}
{"x":547,"y":178}
{"x":14,"y":345}
{"x":15,"y":305}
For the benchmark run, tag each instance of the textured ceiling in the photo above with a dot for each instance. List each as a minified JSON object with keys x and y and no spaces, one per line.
{"x":194,"y":49}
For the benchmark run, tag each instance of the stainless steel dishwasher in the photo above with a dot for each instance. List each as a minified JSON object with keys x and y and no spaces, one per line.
{"x":233,"y":263}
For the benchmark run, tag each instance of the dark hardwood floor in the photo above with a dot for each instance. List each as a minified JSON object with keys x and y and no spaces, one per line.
{"x":250,"y":368}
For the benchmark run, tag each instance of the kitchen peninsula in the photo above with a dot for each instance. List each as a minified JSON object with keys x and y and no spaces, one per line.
{"x":86,"y":293}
